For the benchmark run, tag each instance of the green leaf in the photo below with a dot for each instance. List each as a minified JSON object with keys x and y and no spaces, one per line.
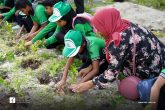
{"x":1,"y":80}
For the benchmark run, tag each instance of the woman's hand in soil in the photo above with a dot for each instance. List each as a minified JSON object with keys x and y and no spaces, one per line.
{"x":82,"y":87}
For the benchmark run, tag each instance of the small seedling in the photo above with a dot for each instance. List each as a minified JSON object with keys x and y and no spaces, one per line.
{"x":39,"y":44}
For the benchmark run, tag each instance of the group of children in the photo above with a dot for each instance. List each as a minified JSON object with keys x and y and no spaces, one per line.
{"x":55,"y":22}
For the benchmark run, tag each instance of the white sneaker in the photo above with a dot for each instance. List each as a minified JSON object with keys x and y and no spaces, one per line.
{"x":16,"y":27}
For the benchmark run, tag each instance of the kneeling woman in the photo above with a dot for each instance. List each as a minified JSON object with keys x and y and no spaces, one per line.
{"x":120,"y":36}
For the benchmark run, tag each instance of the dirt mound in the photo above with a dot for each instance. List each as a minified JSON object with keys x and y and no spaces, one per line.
{"x":31,"y":63}
{"x":44,"y":77}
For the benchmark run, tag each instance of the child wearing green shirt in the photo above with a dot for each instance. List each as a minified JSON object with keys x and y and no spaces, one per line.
{"x":17,"y":16}
{"x":50,"y":28}
{"x":63,"y":15}
{"x":7,"y":9}
{"x":6,"y":5}
{"x":37,"y":14}
{"x":89,"y":50}
{"x":9,"y":14}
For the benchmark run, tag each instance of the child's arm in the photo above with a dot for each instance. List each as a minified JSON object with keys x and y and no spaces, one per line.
{"x":7,"y":15}
{"x":48,"y":28}
{"x":155,"y":91}
{"x":64,"y":77}
{"x":34,"y":31}
{"x":52,"y":39}
{"x":34,"y":28}
{"x":94,"y":71}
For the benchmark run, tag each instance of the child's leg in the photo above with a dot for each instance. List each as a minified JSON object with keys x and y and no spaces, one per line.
{"x":82,"y":68}
{"x":84,"y":72}
{"x":84,"y":65}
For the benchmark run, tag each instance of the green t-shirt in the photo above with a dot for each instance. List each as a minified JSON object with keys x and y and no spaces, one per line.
{"x":7,"y":15}
{"x":48,"y":28}
{"x":2,"y":2}
{"x":94,"y":45}
{"x":85,"y":29}
{"x":40,"y":15}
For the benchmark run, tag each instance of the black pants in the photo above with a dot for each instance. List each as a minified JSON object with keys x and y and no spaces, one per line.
{"x":59,"y":37}
{"x":79,"y":6}
{"x":26,"y":21}
{"x":161,"y":102}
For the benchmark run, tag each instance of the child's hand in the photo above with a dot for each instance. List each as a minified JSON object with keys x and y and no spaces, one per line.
{"x":44,"y":42}
{"x":82,"y":87}
{"x":25,"y":36}
{"x":29,"y":37}
{"x":60,"y":84}
{"x":28,"y":43}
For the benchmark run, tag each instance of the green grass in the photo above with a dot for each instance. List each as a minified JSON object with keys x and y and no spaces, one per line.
{"x":158,"y":4}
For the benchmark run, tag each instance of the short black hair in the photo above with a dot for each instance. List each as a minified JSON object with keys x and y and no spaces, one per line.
{"x":22,"y":4}
{"x":50,"y":2}
{"x":69,"y":16}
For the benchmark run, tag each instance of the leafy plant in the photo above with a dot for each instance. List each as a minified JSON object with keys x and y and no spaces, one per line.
{"x":56,"y":66}
{"x":39,"y":44}
{"x":73,"y":71}
{"x":1,"y":80}
{"x":7,"y":56}
{"x":6,"y":26}
{"x":116,"y":100}
{"x":20,"y":47}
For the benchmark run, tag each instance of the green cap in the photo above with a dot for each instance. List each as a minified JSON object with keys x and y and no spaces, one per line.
{"x":73,"y":42}
{"x":59,"y":10}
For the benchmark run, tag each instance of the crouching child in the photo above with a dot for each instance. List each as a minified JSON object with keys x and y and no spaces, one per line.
{"x":89,"y":50}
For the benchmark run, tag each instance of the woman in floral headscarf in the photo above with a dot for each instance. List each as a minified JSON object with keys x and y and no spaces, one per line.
{"x":120,"y":36}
